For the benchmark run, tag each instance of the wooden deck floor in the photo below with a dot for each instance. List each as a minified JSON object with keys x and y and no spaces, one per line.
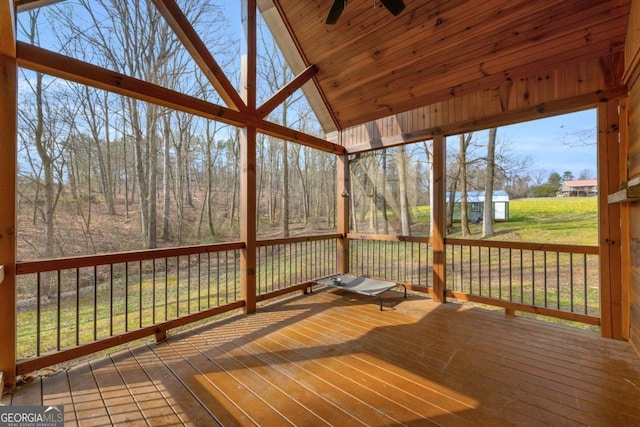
{"x":335,"y":359}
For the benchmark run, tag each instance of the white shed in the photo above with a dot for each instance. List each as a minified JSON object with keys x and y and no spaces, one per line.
{"x":475,"y":205}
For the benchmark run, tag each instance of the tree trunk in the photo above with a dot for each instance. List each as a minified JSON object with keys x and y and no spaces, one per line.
{"x":429,"y":155}
{"x":385,"y":218}
{"x":125,"y":166}
{"x":47,"y":169}
{"x":152,"y":198}
{"x":487,"y":216}
{"x":285,"y":174}
{"x":210,"y":166}
{"x":104,"y":154}
{"x":234,"y":157}
{"x":166,"y":182}
{"x":405,"y":216}
{"x":462,"y":163}
{"x":285,"y":189}
{"x":373,"y":193}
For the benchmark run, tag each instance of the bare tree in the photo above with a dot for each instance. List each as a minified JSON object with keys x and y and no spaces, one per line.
{"x":385,"y":218}
{"x":487,"y":215}
{"x":405,"y":217}
{"x":40,"y":121}
{"x":464,"y":142}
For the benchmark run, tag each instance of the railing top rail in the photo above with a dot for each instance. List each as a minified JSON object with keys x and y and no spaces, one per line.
{"x":41,"y":266}
{"x":298,"y":239}
{"x":388,"y":238}
{"x":547,"y":247}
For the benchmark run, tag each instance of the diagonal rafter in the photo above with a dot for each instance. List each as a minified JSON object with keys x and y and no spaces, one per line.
{"x":7,"y":29}
{"x":198,"y":50}
{"x":23,"y":5}
{"x":287,"y":90}
{"x":48,"y":62}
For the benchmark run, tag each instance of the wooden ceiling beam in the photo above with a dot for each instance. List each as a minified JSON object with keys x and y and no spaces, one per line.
{"x":45,"y":61}
{"x":7,"y":28}
{"x":295,"y":84}
{"x":181,"y":26}
{"x":278,"y":131}
{"x":531,"y":112}
{"x":57,"y":65}
{"x":24,"y":5}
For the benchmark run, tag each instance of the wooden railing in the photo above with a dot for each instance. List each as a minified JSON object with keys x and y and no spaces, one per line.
{"x":560,"y":281}
{"x":406,"y":260}
{"x":294,"y":262}
{"x":75,"y":306}
{"x":71,"y":307}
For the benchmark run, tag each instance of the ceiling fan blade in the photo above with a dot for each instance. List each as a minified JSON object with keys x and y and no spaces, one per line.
{"x":393,"y":6}
{"x":336,"y":10}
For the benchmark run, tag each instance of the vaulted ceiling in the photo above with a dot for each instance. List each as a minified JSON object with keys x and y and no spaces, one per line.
{"x":372,"y":64}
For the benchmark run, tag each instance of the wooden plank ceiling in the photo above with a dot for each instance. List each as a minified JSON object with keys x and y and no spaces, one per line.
{"x":372,"y":64}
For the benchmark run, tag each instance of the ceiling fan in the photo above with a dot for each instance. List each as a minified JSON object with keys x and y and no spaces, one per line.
{"x":393,"y":6}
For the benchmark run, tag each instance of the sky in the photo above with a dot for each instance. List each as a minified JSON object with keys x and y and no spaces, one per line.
{"x":557,"y":144}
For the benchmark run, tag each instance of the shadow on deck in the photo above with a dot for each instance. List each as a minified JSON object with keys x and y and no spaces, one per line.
{"x":332,"y":358}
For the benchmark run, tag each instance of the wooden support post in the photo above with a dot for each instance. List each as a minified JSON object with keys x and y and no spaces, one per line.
{"x":8,"y":173}
{"x":343,"y":189}
{"x":609,"y":232}
{"x":248,"y":204}
{"x":438,"y":208}
{"x":161,"y":334}
{"x":625,"y":224}
{"x":248,"y":229}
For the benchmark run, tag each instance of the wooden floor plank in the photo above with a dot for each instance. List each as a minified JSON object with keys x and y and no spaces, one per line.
{"x":334,"y":359}
{"x":165,"y":374}
{"x":121,"y":406}
{"x":384,"y":398}
{"x":210,"y":394}
{"x":56,"y":390}
{"x":317,"y":410}
{"x":444,"y":407}
{"x":231,"y":390}
{"x":515,"y":386}
{"x":502,"y":370}
{"x":27,"y":396}
{"x":396,"y":401}
{"x":88,"y":405}
{"x":273,"y":354}
{"x":153,"y":404}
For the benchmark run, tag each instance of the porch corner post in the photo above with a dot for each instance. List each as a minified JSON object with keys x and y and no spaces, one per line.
{"x":8,"y":173}
{"x":609,"y":218}
{"x":438,"y":207}
{"x":248,"y":229}
{"x":248,"y":134}
{"x":343,"y":189}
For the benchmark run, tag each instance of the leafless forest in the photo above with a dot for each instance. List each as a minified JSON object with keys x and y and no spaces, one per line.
{"x":99,"y":172}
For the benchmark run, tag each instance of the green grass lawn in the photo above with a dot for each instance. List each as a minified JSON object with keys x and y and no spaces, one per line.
{"x":570,"y":220}
{"x":545,"y":220}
